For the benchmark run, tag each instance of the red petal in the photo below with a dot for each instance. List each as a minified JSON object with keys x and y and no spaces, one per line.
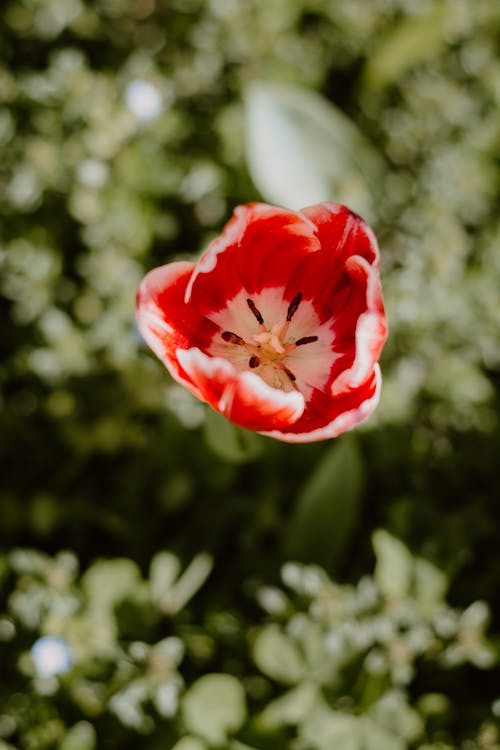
{"x":165,"y":322}
{"x":322,"y":277}
{"x":257,"y":249}
{"x":342,"y":231}
{"x":370,"y":327}
{"x":243,"y":398}
{"x":325,"y":417}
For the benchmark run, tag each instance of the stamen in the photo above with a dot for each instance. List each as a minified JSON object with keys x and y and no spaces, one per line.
{"x":292,"y":307}
{"x":289,"y":373}
{"x":232,"y":338}
{"x":306,"y":340}
{"x":253,"y":307}
{"x":254,"y":361}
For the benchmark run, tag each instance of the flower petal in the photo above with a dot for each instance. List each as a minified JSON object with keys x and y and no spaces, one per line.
{"x":257,"y":250}
{"x":326,"y":418}
{"x":243,"y":398}
{"x":322,"y":277}
{"x":165,"y":322}
{"x":342,"y":231}
{"x":370,"y":327}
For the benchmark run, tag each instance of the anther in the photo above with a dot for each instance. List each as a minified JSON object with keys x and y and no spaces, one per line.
{"x":253,"y":307}
{"x":232,"y":338}
{"x":289,"y":373}
{"x":254,"y":361}
{"x":306,"y":340}
{"x":292,"y":307}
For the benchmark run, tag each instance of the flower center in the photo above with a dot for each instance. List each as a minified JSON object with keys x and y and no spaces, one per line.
{"x":270,"y":346}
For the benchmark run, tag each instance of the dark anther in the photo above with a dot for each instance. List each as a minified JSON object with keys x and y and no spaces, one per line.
{"x":292,"y":307}
{"x":306,"y":340}
{"x":254,"y":361}
{"x":232,"y":338}
{"x":290,"y":374}
{"x":255,"y":310}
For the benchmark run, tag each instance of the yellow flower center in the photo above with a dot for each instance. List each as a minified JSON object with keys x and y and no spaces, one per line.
{"x":268,"y":346}
{"x":271,"y":342}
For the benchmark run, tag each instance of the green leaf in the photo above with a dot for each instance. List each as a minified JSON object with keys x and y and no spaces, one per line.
{"x":189,"y":743}
{"x":327,"y":507}
{"x":163,"y":572}
{"x":430,"y":583}
{"x":325,"y":729}
{"x":393,"y":712}
{"x":214,"y":707}
{"x":233,"y":444}
{"x":290,"y":708}
{"x":170,"y":591}
{"x":188,"y":584}
{"x":416,"y":39}
{"x":302,"y":150}
{"x":81,"y":736}
{"x":108,"y":582}
{"x":394,"y":565}
{"x":376,"y":737}
{"x":398,"y":573}
{"x":278,"y":656}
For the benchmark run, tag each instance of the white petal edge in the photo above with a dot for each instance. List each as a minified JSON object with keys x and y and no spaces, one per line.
{"x":293,"y":400}
{"x":150,"y":317}
{"x":231,"y":234}
{"x":194,"y":360}
{"x":343,"y":423}
{"x":371,"y":329}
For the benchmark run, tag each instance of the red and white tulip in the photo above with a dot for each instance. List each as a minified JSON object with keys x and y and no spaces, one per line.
{"x":279,"y":325}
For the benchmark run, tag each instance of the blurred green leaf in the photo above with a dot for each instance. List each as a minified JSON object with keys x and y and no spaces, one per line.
{"x":81,"y":736}
{"x":430,"y":583}
{"x":165,"y":568}
{"x":290,"y":708}
{"x":229,"y":442}
{"x":108,"y":582}
{"x":399,"y":574}
{"x":187,"y":584}
{"x":393,"y":712}
{"x":214,"y":707}
{"x":325,"y":729}
{"x":189,"y":743}
{"x":376,"y":737}
{"x":415,"y":39}
{"x":394,"y":565}
{"x":278,"y":656}
{"x":328,"y":507}
{"x":302,"y":150}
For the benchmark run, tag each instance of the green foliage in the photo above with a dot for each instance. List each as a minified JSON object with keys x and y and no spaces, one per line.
{"x":229,"y":442}
{"x":214,"y":707}
{"x":141,"y":528}
{"x":337,"y":666}
{"x":331,"y":159}
{"x":328,"y":507}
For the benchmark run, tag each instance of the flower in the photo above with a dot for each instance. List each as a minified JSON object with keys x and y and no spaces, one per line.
{"x":280,"y":323}
{"x":51,"y":656}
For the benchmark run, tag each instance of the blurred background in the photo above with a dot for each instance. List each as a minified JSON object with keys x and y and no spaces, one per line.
{"x":166,"y":580}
